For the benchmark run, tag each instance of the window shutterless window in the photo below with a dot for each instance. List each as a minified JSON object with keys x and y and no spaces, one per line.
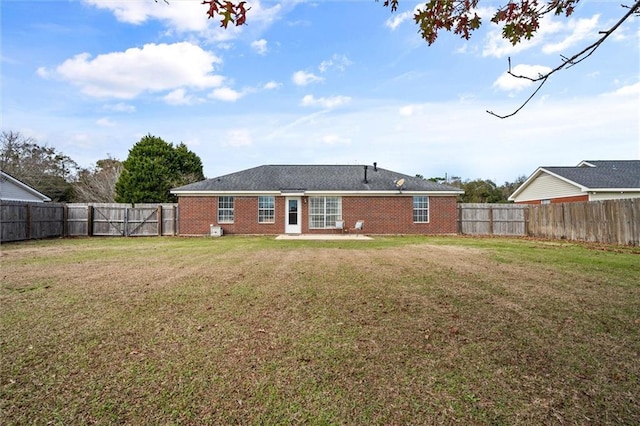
{"x":324,"y":212}
{"x":266,"y":209}
{"x":421,"y":209}
{"x":225,"y":209}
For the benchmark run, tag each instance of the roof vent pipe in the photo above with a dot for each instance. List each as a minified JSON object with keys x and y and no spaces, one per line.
{"x":365,"y":174}
{"x":375,"y":166}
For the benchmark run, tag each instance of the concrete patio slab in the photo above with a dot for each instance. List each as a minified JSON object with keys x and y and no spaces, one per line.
{"x":324,"y":237}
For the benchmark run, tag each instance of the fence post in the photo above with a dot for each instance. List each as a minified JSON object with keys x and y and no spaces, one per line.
{"x":175,"y":220}
{"x":65,"y":217}
{"x":159,"y":216}
{"x":125,"y":231}
{"x":28,"y":224}
{"x":490,"y":220}
{"x":90,"y":221}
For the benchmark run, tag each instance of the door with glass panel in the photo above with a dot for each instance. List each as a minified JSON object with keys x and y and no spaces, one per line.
{"x":293,"y":216}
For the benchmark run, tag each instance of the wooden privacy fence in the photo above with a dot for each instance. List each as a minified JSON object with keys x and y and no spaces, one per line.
{"x":122,"y":219}
{"x":23,"y":221}
{"x":609,"y":221}
{"x":492,"y":219}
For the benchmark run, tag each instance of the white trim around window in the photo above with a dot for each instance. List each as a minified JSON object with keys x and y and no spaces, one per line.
{"x":420,"y":209}
{"x":225,"y":209}
{"x":266,"y":209}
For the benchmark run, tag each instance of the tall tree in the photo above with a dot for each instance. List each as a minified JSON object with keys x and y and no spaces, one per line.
{"x":98,"y":184}
{"x":39,"y":166}
{"x":481,"y":191}
{"x":152,"y":168}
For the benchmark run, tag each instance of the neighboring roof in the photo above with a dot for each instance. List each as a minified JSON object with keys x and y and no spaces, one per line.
{"x":593,"y":176}
{"x":12,"y":195}
{"x":314,"y":178}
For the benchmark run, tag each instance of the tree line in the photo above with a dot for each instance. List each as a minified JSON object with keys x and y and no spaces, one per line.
{"x":481,"y":190}
{"x":151,"y":169}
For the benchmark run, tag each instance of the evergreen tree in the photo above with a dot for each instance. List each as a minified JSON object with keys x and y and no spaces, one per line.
{"x":152,"y":168}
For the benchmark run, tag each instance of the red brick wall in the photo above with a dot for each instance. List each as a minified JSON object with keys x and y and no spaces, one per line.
{"x":574,"y":199}
{"x":381,"y":215}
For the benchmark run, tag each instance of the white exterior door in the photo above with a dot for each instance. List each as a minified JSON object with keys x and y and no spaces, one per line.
{"x":293,"y":218}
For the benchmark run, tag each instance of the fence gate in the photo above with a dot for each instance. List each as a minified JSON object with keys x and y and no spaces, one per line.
{"x":125,"y":221}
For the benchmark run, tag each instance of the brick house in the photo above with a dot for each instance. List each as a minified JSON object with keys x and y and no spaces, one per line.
{"x":317,"y":199}
{"x":588,"y":181}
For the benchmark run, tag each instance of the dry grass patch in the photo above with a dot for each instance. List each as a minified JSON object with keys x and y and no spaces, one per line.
{"x":251,"y":330}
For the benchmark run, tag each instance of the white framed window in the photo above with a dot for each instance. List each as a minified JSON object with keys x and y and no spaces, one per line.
{"x":225,"y":210}
{"x":547,"y":201}
{"x":266,"y":209}
{"x":324,"y":212}
{"x":420,"y":209}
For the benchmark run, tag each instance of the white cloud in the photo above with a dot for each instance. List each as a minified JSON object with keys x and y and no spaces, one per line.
{"x":182,"y":16}
{"x":631,"y":90}
{"x":398,"y":19}
{"x":226,"y":94}
{"x":302,"y":78}
{"x":260,"y":46}
{"x":338,"y":62}
{"x":555,"y":35}
{"x":180,"y":97}
{"x":152,"y":68}
{"x":332,"y":102}
{"x":120,"y":107}
{"x":105,"y":122}
{"x":272,"y":85}
{"x":409,"y":110}
{"x":189,"y":16}
{"x":510,"y":83}
{"x":580,"y":30}
{"x":334,"y":139}
{"x":238,"y":138}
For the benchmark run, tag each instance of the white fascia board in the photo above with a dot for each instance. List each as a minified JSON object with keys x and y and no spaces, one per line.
{"x":614,"y":190}
{"x":382,"y":193}
{"x":301,"y":193}
{"x":210,"y":193}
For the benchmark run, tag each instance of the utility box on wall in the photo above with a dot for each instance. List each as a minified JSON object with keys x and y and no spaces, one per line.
{"x":216,"y":231}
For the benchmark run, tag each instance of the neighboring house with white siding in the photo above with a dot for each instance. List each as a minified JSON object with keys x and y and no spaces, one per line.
{"x":588,"y":181}
{"x":11,"y":189}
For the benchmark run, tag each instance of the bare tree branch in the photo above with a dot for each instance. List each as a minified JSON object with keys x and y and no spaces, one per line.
{"x":568,"y":62}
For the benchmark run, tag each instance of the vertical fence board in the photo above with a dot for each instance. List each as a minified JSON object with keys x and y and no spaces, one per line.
{"x":22,"y":221}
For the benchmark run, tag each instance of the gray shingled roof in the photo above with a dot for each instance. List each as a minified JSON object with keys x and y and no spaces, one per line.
{"x":313,"y":178}
{"x":604,"y":174}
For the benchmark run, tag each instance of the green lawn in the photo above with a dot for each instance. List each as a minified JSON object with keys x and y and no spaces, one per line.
{"x":398,"y":330}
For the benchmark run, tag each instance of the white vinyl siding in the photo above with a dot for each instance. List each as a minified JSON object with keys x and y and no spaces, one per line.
{"x":12,"y":192}
{"x":613,"y":195}
{"x":324,"y":212}
{"x":547,"y":186}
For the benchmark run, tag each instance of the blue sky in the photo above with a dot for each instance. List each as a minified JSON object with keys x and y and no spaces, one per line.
{"x":316,"y":82}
